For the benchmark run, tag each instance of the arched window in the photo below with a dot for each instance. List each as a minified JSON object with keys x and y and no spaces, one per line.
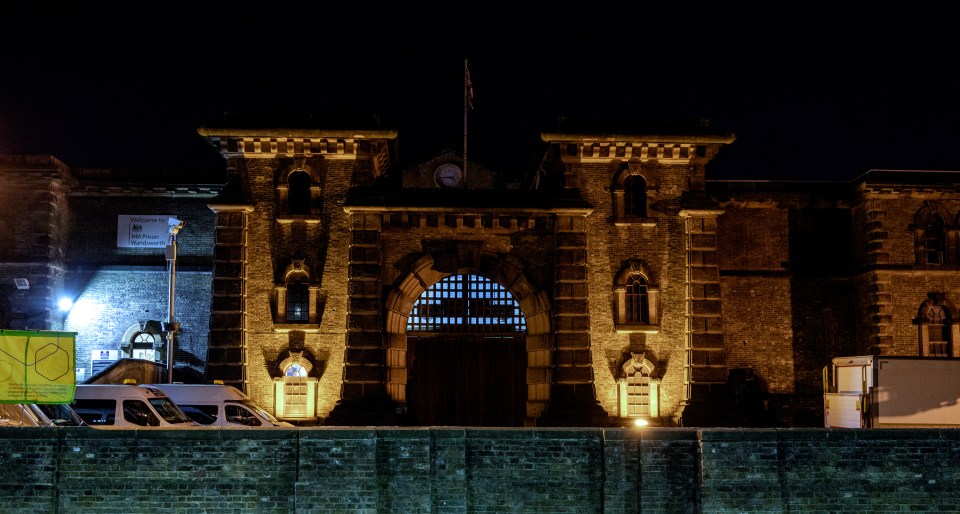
{"x":635,"y":299}
{"x":295,"y":391}
{"x":144,"y":340}
{"x":638,"y":301}
{"x":142,"y":346}
{"x":299,"y":196}
{"x":935,"y":320}
{"x":933,"y":241}
{"x":930,"y":229}
{"x":635,"y":196}
{"x":295,"y":369}
{"x":639,"y":391}
{"x":296,"y":296}
{"x":632,"y":190}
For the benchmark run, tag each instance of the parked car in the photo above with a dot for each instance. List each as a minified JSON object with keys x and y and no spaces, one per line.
{"x":219,"y":405}
{"x":102,"y":405}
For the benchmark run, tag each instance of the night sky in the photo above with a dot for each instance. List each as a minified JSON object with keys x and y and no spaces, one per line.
{"x":812,"y":90}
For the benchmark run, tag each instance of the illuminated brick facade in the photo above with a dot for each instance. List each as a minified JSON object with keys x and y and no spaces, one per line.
{"x":644,"y":287}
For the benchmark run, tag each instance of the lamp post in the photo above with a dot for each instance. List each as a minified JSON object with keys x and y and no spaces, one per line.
{"x":171,"y":327}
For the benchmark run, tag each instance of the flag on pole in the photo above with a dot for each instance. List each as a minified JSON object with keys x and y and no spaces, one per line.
{"x":468,"y":84}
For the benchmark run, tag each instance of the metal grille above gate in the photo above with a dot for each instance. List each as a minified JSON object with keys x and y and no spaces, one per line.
{"x":466,"y":304}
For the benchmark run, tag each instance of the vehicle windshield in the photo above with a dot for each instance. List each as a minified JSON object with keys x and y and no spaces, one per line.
{"x":169,"y":411}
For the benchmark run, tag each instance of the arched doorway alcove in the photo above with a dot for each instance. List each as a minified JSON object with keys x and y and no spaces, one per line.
{"x":449,"y":365}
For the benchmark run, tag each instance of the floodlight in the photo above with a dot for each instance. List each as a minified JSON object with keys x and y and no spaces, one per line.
{"x":175,"y":225}
{"x":65,"y":304}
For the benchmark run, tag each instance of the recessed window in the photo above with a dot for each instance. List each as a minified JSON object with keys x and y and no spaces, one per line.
{"x":936,"y":327}
{"x":633,"y":193}
{"x":299,"y":196}
{"x":298,"y":302}
{"x":931,"y":240}
{"x":142,"y":346}
{"x":295,"y":390}
{"x":638,"y":390}
{"x":638,"y":301}
{"x":635,"y":196}
{"x":635,"y":300}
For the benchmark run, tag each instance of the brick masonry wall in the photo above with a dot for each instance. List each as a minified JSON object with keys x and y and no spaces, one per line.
{"x":114,"y":300}
{"x":662,"y":248}
{"x":897,"y":286}
{"x":448,"y":470}
{"x":324,"y":247}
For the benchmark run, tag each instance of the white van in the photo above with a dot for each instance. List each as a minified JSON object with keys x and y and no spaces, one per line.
{"x":102,"y":405}
{"x":219,"y":405}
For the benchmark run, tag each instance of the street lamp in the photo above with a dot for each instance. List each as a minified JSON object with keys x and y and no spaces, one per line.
{"x":171,"y":327}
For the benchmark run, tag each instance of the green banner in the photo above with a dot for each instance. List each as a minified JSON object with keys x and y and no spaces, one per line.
{"x":37,"y":366}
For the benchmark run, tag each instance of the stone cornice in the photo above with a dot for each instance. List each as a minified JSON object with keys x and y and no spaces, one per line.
{"x":569,"y":211}
{"x":664,"y":149}
{"x":225,"y":207}
{"x":160,"y":190}
{"x":558,"y":137}
{"x":272,"y":143}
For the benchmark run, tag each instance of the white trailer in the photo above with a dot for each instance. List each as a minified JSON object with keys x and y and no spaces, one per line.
{"x":878,"y":391}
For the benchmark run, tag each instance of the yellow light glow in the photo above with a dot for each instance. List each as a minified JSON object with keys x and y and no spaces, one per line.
{"x":640,"y":422}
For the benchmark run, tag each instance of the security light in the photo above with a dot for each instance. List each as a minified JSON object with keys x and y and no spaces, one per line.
{"x":65,"y":304}
{"x":175,"y":225}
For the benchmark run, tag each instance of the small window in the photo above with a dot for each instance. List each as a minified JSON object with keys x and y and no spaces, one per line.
{"x":295,"y":370}
{"x":938,"y":329}
{"x":638,"y":390}
{"x":299,"y":196}
{"x":635,"y":196}
{"x":142,"y":346}
{"x":638,"y":301}
{"x":635,"y":300}
{"x":931,"y":229}
{"x":933,"y":241}
{"x":298,"y":302}
{"x":633,"y":191}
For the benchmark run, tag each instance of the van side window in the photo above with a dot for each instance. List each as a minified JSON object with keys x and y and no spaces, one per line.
{"x":96,"y":412}
{"x":203,"y":414}
{"x":239,"y":415}
{"x":138,"y":413}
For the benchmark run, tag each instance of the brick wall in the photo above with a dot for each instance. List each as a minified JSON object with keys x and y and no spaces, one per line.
{"x":450,"y":470}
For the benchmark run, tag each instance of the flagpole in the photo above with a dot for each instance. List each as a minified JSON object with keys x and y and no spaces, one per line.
{"x":466,"y":109}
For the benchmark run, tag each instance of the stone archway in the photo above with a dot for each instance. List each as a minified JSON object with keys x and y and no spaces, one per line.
{"x":506,"y":271}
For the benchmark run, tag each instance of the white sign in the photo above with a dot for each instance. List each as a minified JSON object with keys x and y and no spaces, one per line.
{"x":143,"y":231}
{"x":104,"y":355}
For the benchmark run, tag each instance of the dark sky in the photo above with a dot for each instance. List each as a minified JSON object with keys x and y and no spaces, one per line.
{"x":812,"y":90}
